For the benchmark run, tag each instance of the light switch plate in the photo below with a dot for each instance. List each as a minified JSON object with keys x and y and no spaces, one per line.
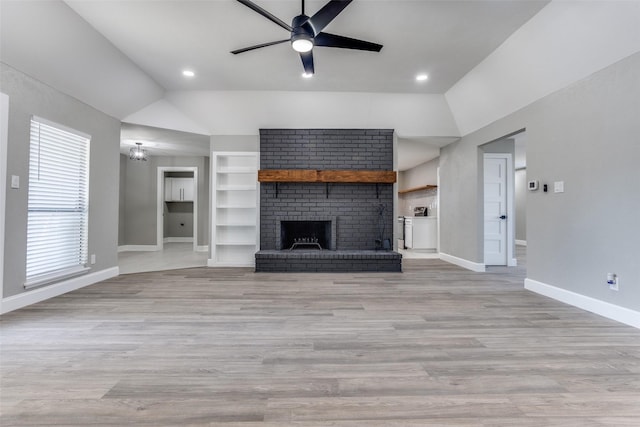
{"x":15,"y":181}
{"x":558,"y":187}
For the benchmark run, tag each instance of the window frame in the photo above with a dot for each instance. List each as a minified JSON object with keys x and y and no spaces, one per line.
{"x":68,"y":209}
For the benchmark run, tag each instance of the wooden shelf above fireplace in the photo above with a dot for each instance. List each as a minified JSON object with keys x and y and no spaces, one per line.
{"x":327,"y":176}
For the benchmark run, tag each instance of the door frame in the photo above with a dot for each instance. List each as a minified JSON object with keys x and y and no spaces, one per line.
{"x":160,"y":204}
{"x":4,"y":142}
{"x":510,"y":226}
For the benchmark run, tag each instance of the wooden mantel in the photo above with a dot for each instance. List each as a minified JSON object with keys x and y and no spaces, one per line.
{"x":327,"y":176}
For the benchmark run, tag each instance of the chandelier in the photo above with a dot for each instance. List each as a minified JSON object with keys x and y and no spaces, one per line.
{"x":138,"y":153}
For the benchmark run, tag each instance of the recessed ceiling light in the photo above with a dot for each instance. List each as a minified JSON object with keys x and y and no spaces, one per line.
{"x":307,"y":75}
{"x":422,"y":77}
{"x":188,"y":73}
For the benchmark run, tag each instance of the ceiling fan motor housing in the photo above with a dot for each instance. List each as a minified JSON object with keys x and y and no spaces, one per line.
{"x":302,"y":29}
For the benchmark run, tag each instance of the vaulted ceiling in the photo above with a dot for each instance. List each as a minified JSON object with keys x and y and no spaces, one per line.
{"x":444,"y":39}
{"x":122,"y":56}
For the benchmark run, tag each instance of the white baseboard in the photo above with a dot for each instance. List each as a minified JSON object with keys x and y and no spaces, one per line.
{"x":31,"y":297}
{"x":521,"y":242}
{"x":469,"y":265}
{"x":178,"y":239}
{"x":213,"y":263}
{"x":602,"y":308}
{"x":138,"y":248}
{"x":204,"y":248}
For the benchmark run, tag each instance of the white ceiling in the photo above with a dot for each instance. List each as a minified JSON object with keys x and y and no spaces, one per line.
{"x":445,"y":39}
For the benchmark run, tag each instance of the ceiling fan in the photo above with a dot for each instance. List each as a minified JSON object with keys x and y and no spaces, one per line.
{"x":306,"y":32}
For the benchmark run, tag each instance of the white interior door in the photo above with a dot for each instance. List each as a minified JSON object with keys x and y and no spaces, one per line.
{"x":495,"y":209}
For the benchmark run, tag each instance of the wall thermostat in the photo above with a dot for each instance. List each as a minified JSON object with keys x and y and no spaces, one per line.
{"x":532,"y":185}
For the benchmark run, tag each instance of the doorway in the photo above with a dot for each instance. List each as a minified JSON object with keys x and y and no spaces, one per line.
{"x":497,"y":185}
{"x":177,"y":206}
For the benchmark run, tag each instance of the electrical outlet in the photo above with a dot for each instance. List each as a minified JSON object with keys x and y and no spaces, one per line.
{"x":613,"y":281}
{"x":93,"y":259}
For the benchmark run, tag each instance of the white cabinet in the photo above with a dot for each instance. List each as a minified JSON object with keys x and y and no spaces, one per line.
{"x":178,"y":189}
{"x":425,"y":232}
{"x":234,"y":196}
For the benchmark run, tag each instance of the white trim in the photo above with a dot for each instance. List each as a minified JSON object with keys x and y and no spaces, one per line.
{"x":4,"y":125}
{"x":511,"y":223}
{"x":469,"y":265}
{"x":521,"y":242}
{"x":139,"y":248}
{"x":602,"y":308}
{"x":56,"y":276}
{"x":438,"y":216}
{"x":160,"y":202}
{"x":512,"y":262}
{"x":203,"y":248}
{"x":31,"y":297}
{"x":178,"y":240}
{"x":213,"y":263}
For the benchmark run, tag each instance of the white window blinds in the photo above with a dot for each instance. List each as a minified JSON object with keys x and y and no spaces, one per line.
{"x":58,"y":210}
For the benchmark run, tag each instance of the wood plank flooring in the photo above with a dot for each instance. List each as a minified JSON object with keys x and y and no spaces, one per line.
{"x":433,"y":346}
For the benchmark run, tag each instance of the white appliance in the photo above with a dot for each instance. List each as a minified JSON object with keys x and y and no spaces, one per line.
{"x":408,"y":232}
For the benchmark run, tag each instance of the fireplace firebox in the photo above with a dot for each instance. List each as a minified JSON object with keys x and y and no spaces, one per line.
{"x":305,"y":234}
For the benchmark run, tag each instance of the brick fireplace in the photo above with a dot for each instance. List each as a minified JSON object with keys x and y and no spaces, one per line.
{"x":357,"y":218}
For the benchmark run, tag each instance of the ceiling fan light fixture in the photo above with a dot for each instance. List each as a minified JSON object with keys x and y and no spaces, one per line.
{"x":302,"y":43}
{"x":307,"y":75}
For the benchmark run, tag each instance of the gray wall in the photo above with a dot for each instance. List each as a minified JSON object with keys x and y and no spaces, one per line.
{"x":521,"y":204}
{"x":140,"y":188}
{"x":235,"y":143}
{"x":587,"y":136}
{"x":28,"y":97}
{"x":354,"y":205}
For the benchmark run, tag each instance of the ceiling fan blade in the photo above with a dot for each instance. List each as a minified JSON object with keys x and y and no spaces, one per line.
{"x":307,"y":61}
{"x":258,"y":46}
{"x":328,"y":12}
{"x":251,"y":5}
{"x":332,"y":40}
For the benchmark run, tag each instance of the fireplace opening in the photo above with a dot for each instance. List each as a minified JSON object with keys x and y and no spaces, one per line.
{"x":305,"y":234}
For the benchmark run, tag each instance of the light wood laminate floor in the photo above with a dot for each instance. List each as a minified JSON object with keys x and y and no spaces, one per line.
{"x":173,"y":256}
{"x":436,"y":345}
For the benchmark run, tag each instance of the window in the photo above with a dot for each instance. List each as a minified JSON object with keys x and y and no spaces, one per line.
{"x":58,"y":209}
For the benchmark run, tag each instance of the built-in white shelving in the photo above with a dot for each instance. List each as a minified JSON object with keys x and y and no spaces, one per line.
{"x":234,"y":184}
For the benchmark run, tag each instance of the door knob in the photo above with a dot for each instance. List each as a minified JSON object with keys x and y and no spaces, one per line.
{"x":502,"y":217}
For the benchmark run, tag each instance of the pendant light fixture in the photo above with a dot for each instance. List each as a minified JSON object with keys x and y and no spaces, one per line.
{"x":138,"y":153}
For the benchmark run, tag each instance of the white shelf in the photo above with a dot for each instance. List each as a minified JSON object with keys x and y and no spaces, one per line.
{"x":236,"y":187}
{"x":252,"y":244}
{"x":235,"y":199}
{"x":227,"y":170}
